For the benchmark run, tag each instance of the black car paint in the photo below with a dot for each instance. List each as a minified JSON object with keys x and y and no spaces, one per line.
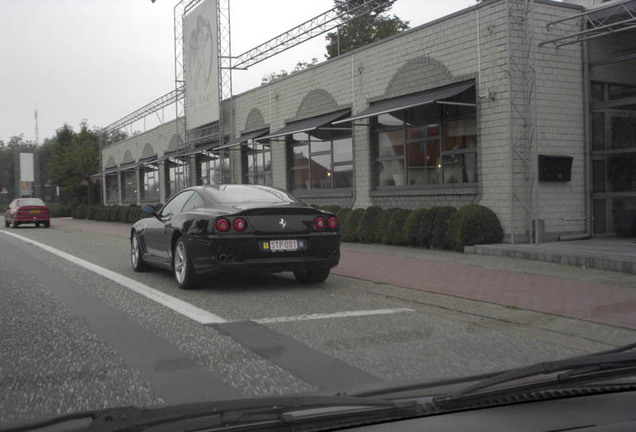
{"x":206,"y":244}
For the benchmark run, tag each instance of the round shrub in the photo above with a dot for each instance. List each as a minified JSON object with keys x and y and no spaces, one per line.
{"x":113,"y":212}
{"x":433,"y":229}
{"x":384,"y":229}
{"x":122,"y":214}
{"x":80,"y":211}
{"x":474,"y":224}
{"x":441,"y":221}
{"x":350,"y":229}
{"x":368,"y":225}
{"x":342,"y":217}
{"x":396,"y":226}
{"x":90,"y":212}
{"x":411,"y":227}
{"x":133,"y":214}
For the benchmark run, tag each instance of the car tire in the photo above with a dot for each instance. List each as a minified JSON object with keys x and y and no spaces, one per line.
{"x":37,"y":224}
{"x":47,"y":224}
{"x":312,"y":275}
{"x":182,"y":266}
{"x":136,"y":258}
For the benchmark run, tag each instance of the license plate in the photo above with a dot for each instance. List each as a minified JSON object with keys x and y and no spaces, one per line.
{"x":283,"y":245}
{"x":34,"y":211}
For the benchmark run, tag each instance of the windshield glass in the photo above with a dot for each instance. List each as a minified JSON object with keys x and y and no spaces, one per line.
{"x":290,"y":205}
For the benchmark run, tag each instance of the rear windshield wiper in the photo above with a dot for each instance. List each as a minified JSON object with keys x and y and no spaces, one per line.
{"x":617,"y":362}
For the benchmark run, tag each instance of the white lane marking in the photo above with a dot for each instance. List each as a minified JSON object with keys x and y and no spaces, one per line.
{"x":177,"y":305}
{"x":345,"y":314}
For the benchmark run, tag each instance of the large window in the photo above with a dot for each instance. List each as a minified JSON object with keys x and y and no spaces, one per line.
{"x":430,"y":144}
{"x":150,"y":181}
{"x":322,"y":159}
{"x":216,"y":167}
{"x":112,"y":189}
{"x":258,"y":163}
{"x":129,"y":189}
{"x":176,"y":175}
{"x":613,"y":127}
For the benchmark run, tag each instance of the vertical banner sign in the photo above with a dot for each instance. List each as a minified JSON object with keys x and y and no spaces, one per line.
{"x":26,"y":174}
{"x":201,"y":65}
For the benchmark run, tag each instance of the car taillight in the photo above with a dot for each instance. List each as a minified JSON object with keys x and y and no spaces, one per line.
{"x":319,"y":223}
{"x":240,"y":224}
{"x":332,"y":222}
{"x":222,"y":224}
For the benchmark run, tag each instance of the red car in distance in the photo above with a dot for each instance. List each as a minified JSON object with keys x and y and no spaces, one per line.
{"x":27,"y":210}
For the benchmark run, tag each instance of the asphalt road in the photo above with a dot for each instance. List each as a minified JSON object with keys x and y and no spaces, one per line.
{"x":80,"y":337}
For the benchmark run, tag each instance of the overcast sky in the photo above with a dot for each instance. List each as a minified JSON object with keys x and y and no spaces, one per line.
{"x":99,"y":60}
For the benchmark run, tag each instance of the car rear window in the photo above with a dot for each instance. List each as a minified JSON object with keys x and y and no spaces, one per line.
{"x":30,"y":202}
{"x":233,"y":194}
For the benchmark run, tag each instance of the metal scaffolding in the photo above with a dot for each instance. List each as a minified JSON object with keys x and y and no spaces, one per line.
{"x":215,"y":131}
{"x":309,"y":29}
{"x":522,"y":127}
{"x":612,"y":18}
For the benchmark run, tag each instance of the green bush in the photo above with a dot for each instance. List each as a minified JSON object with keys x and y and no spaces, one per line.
{"x":384,"y":231}
{"x":441,"y":221}
{"x":424,"y":236}
{"x":342,"y":217}
{"x":411,"y":226}
{"x":368,"y":225}
{"x":350,"y":230}
{"x":134,"y":214}
{"x":474,"y":224}
{"x":59,"y":210}
{"x":80,"y":211}
{"x":122,"y":214}
{"x":396,"y":226}
{"x":433,"y":228}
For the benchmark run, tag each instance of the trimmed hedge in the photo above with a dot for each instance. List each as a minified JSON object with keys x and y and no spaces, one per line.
{"x":474,"y":224}
{"x":433,"y":229}
{"x":368,"y":225}
{"x":352,"y":223}
{"x":411,"y":226}
{"x":384,"y":229}
{"x":396,"y":225}
{"x":436,"y":227}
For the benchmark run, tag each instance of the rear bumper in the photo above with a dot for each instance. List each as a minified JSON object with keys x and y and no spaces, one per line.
{"x":238,"y":253}
{"x":32,"y":218}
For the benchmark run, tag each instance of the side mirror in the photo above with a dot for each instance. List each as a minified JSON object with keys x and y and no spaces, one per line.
{"x":149,"y":209}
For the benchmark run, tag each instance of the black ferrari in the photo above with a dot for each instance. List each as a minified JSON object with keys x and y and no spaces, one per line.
{"x":206,"y":230}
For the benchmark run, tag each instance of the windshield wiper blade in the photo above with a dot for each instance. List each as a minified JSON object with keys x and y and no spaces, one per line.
{"x":261,"y":413}
{"x":616,"y":362}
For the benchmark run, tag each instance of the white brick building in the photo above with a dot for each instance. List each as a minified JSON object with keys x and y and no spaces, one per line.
{"x":438,"y":115}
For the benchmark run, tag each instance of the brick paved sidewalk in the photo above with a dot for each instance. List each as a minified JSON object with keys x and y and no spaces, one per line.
{"x":578,"y":299}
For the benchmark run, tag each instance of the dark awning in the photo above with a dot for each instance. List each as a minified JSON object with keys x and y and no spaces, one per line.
{"x":410,"y":101}
{"x":306,"y":125}
{"x":244,"y":138}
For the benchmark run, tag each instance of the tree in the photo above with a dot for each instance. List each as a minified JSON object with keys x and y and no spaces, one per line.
{"x":7,"y":174}
{"x":75,"y":158}
{"x":300,"y":66}
{"x":358,"y":32}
